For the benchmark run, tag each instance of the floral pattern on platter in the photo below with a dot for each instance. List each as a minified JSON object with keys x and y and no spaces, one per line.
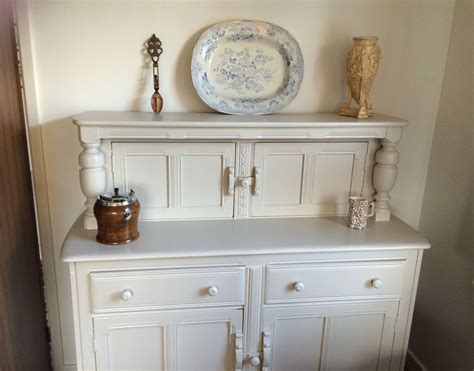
{"x":243,"y":70}
{"x":247,"y":67}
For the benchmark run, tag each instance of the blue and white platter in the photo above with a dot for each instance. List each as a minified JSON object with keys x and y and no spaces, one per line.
{"x":247,"y":67}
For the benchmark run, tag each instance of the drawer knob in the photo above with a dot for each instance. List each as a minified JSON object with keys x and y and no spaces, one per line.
{"x":254,"y":361}
{"x":376,"y":283}
{"x":299,"y":286}
{"x":126,"y":294}
{"x":213,"y":290}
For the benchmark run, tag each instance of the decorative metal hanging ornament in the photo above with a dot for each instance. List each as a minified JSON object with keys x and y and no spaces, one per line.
{"x":154,"y":49}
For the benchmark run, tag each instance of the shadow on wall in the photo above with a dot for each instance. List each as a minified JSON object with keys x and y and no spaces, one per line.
{"x":463,"y":241}
{"x":144,"y":76}
{"x":444,"y":330}
{"x":331,"y":57}
{"x":191,"y":100}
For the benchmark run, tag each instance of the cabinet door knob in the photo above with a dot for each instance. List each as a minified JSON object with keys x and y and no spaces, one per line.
{"x":376,"y":283}
{"x":299,"y":286}
{"x":245,"y":182}
{"x":213,"y":290}
{"x":255,"y":361}
{"x":126,"y":294}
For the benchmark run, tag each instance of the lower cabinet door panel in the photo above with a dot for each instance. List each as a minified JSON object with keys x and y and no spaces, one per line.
{"x":185,"y":340}
{"x":331,"y":337}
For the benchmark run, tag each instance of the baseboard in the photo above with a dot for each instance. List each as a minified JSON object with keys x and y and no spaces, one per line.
{"x":63,"y":367}
{"x":413,"y":363}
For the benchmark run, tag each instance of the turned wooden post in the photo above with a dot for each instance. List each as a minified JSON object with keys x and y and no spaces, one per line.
{"x":92,"y":177}
{"x":384,"y":177}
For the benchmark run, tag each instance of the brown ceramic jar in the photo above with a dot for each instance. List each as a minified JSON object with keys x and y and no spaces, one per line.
{"x":117,"y":218}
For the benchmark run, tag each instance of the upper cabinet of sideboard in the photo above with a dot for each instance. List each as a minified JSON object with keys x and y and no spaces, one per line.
{"x":202,"y":180}
{"x":201,"y":166}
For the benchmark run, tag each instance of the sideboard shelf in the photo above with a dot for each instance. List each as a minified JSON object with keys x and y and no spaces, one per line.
{"x":231,"y":237}
{"x":207,"y":119}
{"x":211,"y":126}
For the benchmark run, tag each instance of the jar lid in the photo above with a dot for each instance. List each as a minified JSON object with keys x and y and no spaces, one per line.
{"x":117,"y":199}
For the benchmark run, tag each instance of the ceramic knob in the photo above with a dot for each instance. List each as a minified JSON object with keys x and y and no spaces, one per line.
{"x":126,"y":294}
{"x":245,"y":182}
{"x":212,"y":290}
{"x":376,"y":283}
{"x":299,"y":286}
{"x":255,"y":361}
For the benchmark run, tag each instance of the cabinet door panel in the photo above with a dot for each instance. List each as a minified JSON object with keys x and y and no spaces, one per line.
{"x":288,"y":170}
{"x":184,"y":340}
{"x":332,"y":178}
{"x":303,"y":179}
{"x":139,"y":347}
{"x":204,"y":346}
{"x":301,"y":340}
{"x":176,"y":180}
{"x":156,"y":173}
{"x":355,"y":336}
{"x":361,"y":337}
{"x":201,"y":181}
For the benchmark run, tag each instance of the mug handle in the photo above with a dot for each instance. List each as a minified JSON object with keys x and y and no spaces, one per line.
{"x":372,"y":209}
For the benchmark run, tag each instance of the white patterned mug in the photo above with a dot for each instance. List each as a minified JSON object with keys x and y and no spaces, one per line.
{"x":360,"y":210}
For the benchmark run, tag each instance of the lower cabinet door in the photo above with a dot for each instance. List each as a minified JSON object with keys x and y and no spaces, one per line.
{"x":330,"y":337}
{"x":185,"y":340}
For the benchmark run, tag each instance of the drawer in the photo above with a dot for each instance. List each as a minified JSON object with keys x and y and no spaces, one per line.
{"x":166,"y":288}
{"x":333,"y":281}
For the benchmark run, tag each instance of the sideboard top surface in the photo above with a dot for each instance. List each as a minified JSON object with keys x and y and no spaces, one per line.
{"x":206,"y":238}
{"x":218,"y":120}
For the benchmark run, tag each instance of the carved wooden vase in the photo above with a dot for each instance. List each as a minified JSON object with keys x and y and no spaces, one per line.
{"x":362,"y":64}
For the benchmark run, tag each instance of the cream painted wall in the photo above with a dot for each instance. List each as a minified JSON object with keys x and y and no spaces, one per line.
{"x":442,"y":337}
{"x":88,"y":55}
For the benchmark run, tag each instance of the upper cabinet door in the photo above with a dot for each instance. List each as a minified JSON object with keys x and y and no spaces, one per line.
{"x":176,"y":180}
{"x":303,"y":179}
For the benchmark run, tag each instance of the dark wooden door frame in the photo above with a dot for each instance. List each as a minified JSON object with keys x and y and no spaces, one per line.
{"x":24,"y":336}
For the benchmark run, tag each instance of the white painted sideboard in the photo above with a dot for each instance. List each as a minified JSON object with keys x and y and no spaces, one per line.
{"x":244,"y":261}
